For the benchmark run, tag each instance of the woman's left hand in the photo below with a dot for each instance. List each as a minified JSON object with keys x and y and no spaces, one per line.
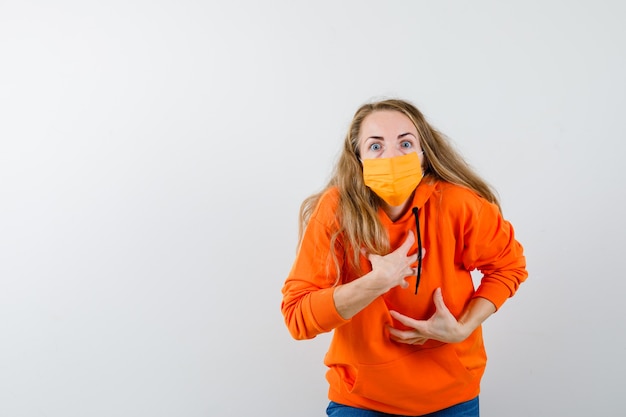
{"x":441,"y":326}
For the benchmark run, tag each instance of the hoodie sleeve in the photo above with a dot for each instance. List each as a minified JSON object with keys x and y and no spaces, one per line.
{"x":490,"y":247}
{"x":308,"y":305}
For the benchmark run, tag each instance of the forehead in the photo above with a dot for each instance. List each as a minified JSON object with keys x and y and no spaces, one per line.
{"x":386,"y":122}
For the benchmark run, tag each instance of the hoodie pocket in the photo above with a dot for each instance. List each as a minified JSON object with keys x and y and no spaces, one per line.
{"x":421,"y":374}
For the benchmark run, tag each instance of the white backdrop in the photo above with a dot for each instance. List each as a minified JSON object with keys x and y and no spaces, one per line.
{"x":153,"y":156}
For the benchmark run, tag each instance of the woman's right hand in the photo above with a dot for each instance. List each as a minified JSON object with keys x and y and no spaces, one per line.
{"x":391,"y":270}
{"x":387,"y":272}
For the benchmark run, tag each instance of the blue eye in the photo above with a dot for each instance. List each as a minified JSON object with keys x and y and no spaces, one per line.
{"x":375,"y":147}
{"x":406,"y":144}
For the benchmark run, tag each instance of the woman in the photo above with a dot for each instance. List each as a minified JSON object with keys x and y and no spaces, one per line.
{"x":384,"y":261}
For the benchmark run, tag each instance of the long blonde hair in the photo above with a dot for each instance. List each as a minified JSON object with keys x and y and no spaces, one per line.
{"x":357,"y":214}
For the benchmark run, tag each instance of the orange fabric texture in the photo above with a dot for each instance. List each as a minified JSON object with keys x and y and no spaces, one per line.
{"x":460,"y":232}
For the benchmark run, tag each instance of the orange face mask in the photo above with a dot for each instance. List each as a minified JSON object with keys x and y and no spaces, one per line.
{"x":393,"y":179}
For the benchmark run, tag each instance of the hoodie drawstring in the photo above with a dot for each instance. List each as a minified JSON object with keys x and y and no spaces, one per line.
{"x":418,"y":274}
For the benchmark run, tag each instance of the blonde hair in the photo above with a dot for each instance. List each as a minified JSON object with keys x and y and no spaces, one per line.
{"x":357,"y":213}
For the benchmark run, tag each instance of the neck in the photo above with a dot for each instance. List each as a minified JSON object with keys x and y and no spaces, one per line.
{"x":395,"y":212}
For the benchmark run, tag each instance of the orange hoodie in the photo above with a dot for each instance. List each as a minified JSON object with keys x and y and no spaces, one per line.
{"x":460,"y":232}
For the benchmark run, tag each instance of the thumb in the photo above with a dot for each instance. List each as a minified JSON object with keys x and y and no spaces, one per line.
{"x":372,"y":256}
{"x":438,"y":300}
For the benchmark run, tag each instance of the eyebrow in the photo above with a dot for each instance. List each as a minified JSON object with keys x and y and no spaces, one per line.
{"x":399,"y":136}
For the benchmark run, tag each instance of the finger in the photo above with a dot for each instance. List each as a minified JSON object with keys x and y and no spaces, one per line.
{"x":413,"y":258}
{"x":407,"y":337}
{"x":418,"y":341}
{"x":413,"y":341}
{"x":408,"y":242}
{"x":438,"y":300}
{"x":372,"y":256}
{"x":401,"y":335}
{"x":407,"y":321}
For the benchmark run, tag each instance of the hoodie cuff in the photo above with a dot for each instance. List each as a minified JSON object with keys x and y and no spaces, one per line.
{"x":324,"y":310}
{"x":493,"y":292}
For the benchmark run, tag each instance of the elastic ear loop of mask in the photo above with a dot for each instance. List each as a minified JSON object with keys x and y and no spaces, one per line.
{"x":418,"y":274}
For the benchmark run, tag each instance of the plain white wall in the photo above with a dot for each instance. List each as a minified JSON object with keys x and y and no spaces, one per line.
{"x":153,"y":156}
